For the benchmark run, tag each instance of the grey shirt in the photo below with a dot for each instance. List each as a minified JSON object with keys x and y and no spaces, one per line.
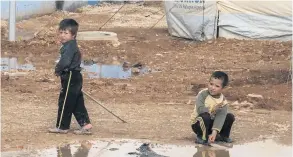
{"x":216,"y":107}
{"x":70,"y":58}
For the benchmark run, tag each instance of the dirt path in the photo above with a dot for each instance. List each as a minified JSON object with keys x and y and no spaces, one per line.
{"x":158,"y":105}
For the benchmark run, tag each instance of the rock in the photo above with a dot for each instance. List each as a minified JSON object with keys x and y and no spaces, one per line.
{"x":246,"y":104}
{"x":126,"y":65}
{"x":158,"y":54}
{"x":45,"y":80}
{"x":137,"y":65}
{"x":255,"y":96}
{"x":235,"y":103}
{"x":88,"y":62}
{"x":33,"y":42}
{"x":115,"y":43}
{"x":96,"y":60}
{"x":189,"y":102}
{"x":115,"y":61}
{"x":16,"y":74}
{"x":236,"y":107}
{"x":135,"y":70}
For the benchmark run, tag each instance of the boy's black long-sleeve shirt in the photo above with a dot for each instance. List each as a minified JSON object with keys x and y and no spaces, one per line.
{"x":70,"y":58}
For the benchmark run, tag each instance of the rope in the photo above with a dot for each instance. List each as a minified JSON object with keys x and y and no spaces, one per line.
{"x":202,"y":32}
{"x":157,"y":21}
{"x":112,"y":16}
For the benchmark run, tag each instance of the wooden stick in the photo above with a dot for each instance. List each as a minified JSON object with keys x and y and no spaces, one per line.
{"x":103,"y":106}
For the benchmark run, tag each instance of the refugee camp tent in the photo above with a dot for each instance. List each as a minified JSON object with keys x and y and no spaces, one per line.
{"x":249,"y":19}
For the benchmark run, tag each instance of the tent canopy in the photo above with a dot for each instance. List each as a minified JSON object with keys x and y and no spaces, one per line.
{"x":204,"y":20}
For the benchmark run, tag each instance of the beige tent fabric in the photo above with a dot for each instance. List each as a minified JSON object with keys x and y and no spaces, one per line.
{"x":185,"y":19}
{"x":266,"y":20}
{"x":240,"y":19}
{"x":277,"y":8}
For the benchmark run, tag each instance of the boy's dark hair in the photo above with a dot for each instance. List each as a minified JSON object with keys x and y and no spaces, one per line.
{"x":222,"y":76}
{"x":70,"y":25}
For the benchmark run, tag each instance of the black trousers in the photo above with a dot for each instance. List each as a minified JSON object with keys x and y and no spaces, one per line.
{"x":71,"y":101}
{"x":206,"y":130}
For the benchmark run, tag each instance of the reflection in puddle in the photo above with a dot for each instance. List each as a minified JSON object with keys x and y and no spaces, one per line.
{"x":65,"y":151}
{"x":131,"y":148}
{"x":212,"y":153}
{"x":145,"y":150}
{"x":111,"y":71}
{"x":12,"y":64}
{"x":267,"y":148}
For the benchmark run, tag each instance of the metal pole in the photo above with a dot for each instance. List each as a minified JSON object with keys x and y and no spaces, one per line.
{"x":12,"y":18}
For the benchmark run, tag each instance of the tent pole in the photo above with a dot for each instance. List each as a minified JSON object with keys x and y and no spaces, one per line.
{"x":12,"y":19}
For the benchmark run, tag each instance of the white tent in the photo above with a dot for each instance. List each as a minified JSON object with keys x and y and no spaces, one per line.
{"x":268,"y":20}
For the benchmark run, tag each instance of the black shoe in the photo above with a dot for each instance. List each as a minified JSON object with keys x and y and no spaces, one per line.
{"x":199,"y":140}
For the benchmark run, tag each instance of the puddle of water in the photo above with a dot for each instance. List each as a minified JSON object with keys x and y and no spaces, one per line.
{"x":134,"y":148}
{"x":8,"y":64}
{"x":110,"y":71}
{"x":96,"y":70}
{"x":91,"y":70}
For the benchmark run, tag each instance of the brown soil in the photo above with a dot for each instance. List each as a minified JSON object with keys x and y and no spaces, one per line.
{"x":157,"y":106}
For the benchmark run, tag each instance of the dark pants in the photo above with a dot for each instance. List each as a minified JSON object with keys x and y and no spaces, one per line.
{"x":208,"y":124}
{"x":74,"y":102}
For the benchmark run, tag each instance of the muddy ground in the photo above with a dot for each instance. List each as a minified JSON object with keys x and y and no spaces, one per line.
{"x":157,"y":106}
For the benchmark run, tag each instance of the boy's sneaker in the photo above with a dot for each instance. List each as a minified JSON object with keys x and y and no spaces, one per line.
{"x":85,"y":130}
{"x":82,"y":131}
{"x":199,"y":140}
{"x":224,"y":139}
{"x":227,"y":139}
{"x":56,"y":130}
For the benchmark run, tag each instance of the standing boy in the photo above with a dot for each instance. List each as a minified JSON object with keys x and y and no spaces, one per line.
{"x":68,"y":68}
{"x":210,"y":118}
